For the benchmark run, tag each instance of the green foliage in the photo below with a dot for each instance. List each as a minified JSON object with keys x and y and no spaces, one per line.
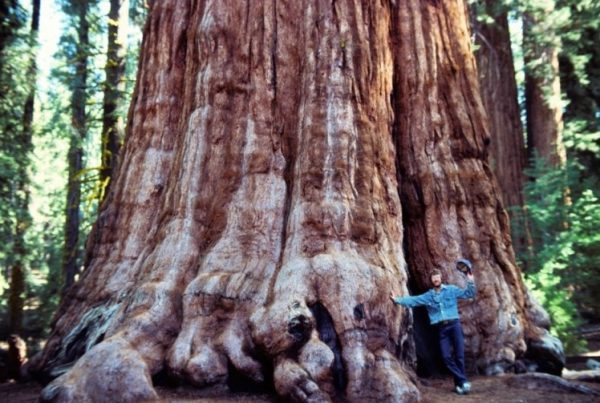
{"x":576,"y":36}
{"x":48,"y":163}
{"x":563,"y":215}
{"x":14,"y":60}
{"x":12,"y":19}
{"x":581,"y":84}
{"x":561,"y":261}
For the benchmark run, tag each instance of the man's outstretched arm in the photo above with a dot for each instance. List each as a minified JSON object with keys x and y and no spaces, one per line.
{"x":468,"y":292}
{"x":411,"y":301}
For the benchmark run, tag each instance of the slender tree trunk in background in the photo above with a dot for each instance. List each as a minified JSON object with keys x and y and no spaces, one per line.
{"x":254,"y":227}
{"x":496,"y":73}
{"x":112,"y":127}
{"x":507,"y":153}
{"x":75,"y":155}
{"x":9,"y":28}
{"x":22,"y":192}
{"x":542,"y":88}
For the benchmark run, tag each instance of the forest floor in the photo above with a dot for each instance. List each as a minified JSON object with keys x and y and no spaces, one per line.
{"x":493,"y":389}
{"x":488,"y":389}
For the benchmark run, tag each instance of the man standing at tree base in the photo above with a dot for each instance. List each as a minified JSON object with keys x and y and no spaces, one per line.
{"x":442,"y":308}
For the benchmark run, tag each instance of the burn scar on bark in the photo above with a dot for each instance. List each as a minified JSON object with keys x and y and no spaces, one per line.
{"x":282,"y":327}
{"x":86,"y":334}
{"x":328,"y":335}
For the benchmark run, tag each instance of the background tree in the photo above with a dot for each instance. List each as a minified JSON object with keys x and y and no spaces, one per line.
{"x":78,"y":135}
{"x":20,"y":184}
{"x":255,"y":227}
{"x":496,"y":71}
{"x":580,"y":79}
{"x":12,"y":97}
{"x":46,"y":165}
{"x":542,"y":82}
{"x":561,"y":199}
{"x":114,"y":91}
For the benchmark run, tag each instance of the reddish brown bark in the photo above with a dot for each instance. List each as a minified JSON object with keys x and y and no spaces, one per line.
{"x":498,"y":86}
{"x":507,"y":153}
{"x":255,"y":227}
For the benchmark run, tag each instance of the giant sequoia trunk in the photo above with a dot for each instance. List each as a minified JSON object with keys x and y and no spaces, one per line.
{"x":254,"y":228}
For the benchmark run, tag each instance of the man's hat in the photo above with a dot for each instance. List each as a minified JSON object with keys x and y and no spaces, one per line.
{"x":464,"y":266}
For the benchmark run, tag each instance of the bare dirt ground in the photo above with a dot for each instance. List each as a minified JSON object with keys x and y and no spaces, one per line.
{"x":495,"y":389}
{"x":485,"y":389}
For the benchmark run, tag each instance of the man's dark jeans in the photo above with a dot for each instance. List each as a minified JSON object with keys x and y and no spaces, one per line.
{"x":453,"y":349}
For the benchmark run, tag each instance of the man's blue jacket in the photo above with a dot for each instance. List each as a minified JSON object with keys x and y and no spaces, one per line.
{"x":440,"y":305}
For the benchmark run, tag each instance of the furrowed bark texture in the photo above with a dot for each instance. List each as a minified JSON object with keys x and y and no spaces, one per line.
{"x":496,"y":72}
{"x":507,"y":153}
{"x":254,"y":228}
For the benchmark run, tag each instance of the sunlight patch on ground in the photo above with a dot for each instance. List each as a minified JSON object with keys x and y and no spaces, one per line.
{"x":591,"y":353}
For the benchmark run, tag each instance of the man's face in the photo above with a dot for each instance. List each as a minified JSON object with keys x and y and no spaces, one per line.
{"x":436,"y":280}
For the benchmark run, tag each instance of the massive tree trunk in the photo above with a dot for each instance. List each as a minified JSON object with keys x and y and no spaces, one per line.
{"x":21,"y":190}
{"x":71,"y":252}
{"x":542,"y":86}
{"x":114,"y":87}
{"x":254,"y":227}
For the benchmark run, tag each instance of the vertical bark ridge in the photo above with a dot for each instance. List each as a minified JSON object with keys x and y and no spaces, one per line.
{"x":237,"y":268}
{"x":287,"y":106}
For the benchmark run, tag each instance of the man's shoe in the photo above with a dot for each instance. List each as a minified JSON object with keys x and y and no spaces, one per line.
{"x":466,"y":387}
{"x":459,"y":390}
